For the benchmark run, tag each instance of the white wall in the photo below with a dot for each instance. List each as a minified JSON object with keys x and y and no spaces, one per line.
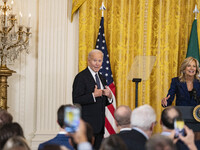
{"x":44,"y":77}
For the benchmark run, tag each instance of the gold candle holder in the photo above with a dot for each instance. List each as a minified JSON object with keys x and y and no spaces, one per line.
{"x":11,"y":44}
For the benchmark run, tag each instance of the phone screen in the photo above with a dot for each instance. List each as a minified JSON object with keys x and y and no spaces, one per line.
{"x":179,"y":127}
{"x":71,"y":118}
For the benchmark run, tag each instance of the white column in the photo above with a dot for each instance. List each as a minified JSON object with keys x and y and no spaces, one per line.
{"x":22,"y":84}
{"x":57,"y":66}
{"x":43,"y":78}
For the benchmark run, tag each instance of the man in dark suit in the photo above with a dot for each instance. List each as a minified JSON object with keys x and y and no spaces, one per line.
{"x":91,"y":92}
{"x":143,"y":120}
{"x":122,"y":119}
{"x":61,"y":138}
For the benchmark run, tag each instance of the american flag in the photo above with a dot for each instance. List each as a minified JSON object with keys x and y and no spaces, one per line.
{"x":110,"y":127}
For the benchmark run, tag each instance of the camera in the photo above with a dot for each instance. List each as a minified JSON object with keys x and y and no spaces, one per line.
{"x":72,"y":118}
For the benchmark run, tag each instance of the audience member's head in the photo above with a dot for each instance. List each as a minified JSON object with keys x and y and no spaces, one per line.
{"x":113,"y":142}
{"x":160,"y":142}
{"x":60,"y":115}
{"x":144,"y":117}
{"x":9,"y":130}
{"x":16,"y":143}
{"x":122,"y":116}
{"x":5,"y":117}
{"x":17,"y":128}
{"x":168,"y":115}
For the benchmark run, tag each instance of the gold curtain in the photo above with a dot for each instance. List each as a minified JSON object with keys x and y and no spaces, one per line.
{"x":158,"y":28}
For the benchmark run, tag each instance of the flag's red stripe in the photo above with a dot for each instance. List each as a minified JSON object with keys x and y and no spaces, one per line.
{"x":109,"y":126}
{"x":111,"y":109}
{"x":112,"y":87}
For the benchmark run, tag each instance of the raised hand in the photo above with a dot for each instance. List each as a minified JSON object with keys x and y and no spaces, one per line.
{"x":188,"y":139}
{"x":171,"y":136}
{"x":97,"y":92}
{"x":164,"y":101}
{"x":107,"y":92}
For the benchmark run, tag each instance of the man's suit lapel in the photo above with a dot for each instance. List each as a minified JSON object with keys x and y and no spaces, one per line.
{"x":102,"y":80}
{"x":89,"y":77}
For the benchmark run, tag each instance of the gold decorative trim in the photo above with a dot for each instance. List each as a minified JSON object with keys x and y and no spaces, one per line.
{"x":196,"y":113}
{"x":75,"y":6}
{"x":145,"y":27}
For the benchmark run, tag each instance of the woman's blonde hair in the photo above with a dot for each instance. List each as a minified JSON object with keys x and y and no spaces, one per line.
{"x":184,"y":64}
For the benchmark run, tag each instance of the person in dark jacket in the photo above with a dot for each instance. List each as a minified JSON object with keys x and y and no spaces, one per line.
{"x":186,"y":87}
{"x":91,"y":92}
{"x":61,"y":138}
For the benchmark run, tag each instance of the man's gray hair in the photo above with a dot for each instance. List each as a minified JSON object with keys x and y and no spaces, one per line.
{"x":143,"y":117}
{"x":94,"y":51}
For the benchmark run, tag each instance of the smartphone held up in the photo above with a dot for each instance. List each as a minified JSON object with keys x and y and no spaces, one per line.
{"x":179,"y":127}
{"x":72,"y":118}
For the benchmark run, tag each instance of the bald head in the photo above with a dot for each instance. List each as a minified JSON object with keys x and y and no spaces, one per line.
{"x":122,"y":116}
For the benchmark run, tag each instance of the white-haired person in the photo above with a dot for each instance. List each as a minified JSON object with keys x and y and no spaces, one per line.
{"x":143,"y":120}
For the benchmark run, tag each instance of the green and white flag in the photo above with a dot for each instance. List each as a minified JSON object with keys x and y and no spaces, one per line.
{"x":193,"y":46}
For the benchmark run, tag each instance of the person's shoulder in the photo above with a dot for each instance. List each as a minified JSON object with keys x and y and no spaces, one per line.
{"x":125,"y":132}
{"x":175,"y":79}
{"x":83,"y":72}
{"x":47,"y":142}
{"x":51,"y":141}
{"x":196,"y":80}
{"x":43,"y":144}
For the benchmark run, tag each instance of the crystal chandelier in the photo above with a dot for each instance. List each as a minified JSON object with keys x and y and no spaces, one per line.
{"x":14,"y":38}
{"x":12,"y":41}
